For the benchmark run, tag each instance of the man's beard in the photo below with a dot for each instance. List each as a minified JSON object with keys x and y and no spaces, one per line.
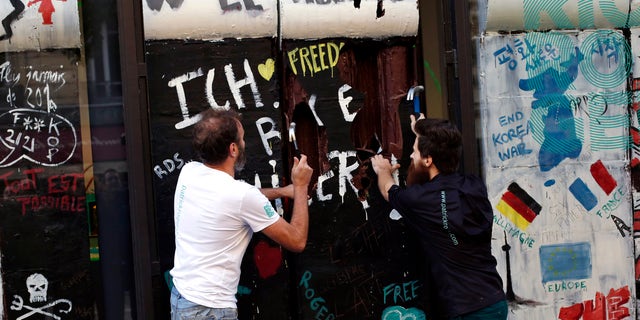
{"x":241,"y":161}
{"x":416,"y":176}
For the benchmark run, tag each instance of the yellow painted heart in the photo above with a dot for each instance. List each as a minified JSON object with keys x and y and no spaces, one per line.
{"x":266,"y":69}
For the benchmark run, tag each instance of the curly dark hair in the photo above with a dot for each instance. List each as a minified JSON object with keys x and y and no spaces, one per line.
{"x":213,"y":133}
{"x":441,"y":140}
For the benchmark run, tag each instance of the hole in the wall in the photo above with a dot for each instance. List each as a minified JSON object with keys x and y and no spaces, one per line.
{"x":311,"y":142}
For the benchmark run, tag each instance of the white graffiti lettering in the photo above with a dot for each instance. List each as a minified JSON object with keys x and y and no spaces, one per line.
{"x":270,"y":134}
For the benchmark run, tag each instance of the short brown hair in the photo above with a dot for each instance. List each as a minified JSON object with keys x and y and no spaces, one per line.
{"x":441,"y":140}
{"x":213,"y":133}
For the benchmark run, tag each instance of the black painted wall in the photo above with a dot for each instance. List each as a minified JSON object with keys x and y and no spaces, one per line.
{"x":348,"y":99}
{"x":43,"y":215}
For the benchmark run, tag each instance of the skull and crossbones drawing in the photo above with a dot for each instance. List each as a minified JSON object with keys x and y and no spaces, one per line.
{"x":37,"y":285}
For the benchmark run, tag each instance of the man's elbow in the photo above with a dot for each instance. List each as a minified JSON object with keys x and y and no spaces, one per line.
{"x":298,"y":243}
{"x":298,"y":247}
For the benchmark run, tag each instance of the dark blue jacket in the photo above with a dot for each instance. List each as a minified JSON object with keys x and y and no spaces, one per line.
{"x":452,"y":216}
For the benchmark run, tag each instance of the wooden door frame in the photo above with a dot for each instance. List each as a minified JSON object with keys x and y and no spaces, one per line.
{"x":136,"y":125}
{"x":453,"y":62}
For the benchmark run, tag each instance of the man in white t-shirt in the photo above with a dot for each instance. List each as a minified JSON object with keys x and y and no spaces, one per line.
{"x":215,"y":217}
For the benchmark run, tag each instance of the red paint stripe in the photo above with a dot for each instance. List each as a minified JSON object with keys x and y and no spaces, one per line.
{"x":519,"y":206}
{"x":602,"y":177}
{"x":524,"y":197}
{"x":635,"y":135}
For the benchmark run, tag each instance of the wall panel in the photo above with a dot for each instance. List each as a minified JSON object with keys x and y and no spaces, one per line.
{"x":44,"y":245}
{"x":555,"y":117}
{"x":341,"y":72}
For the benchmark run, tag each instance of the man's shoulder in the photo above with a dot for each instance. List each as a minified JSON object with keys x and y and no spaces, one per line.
{"x":191,"y":166}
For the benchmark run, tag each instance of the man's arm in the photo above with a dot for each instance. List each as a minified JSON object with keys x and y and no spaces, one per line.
{"x":274,"y":193}
{"x":293,"y":235}
{"x":384,"y":170}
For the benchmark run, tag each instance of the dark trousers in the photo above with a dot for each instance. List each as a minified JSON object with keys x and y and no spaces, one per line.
{"x":496,"y":311}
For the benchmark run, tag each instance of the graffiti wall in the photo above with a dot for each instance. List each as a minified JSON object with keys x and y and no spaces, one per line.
{"x":558,"y":118}
{"x":343,"y":82}
{"x":180,"y":19}
{"x":43,"y":220}
{"x":505,"y":15}
{"x":362,"y":254}
{"x":351,"y":19}
{"x":218,"y":75}
{"x":39,"y":24}
{"x":209,"y":20}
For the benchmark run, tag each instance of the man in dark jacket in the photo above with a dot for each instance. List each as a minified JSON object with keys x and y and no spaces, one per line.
{"x":452,"y":217}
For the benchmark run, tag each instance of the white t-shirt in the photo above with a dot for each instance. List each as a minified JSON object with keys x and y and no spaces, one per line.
{"x":215,"y":217}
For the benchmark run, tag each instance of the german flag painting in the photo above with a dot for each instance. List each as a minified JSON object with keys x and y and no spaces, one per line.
{"x":517,"y":205}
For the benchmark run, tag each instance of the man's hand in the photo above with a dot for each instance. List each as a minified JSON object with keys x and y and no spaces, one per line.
{"x":293,"y":235}
{"x":300,"y":176}
{"x":381,"y":165}
{"x":384,"y":170}
{"x":301,"y":172}
{"x":413,"y":122}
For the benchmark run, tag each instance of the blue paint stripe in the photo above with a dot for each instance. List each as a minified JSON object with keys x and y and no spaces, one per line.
{"x":582,"y":193}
